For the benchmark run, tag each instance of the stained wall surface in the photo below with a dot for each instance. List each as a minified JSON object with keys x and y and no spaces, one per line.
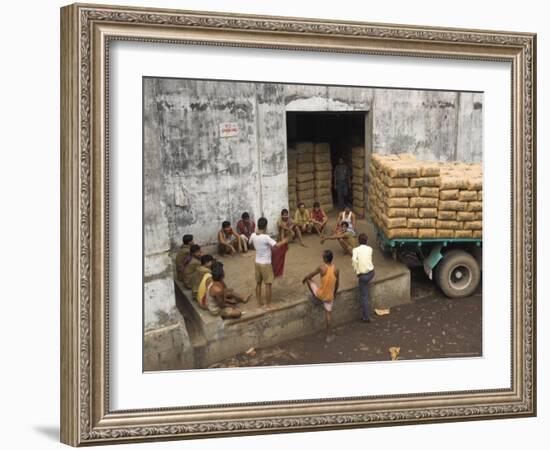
{"x":195,"y":178}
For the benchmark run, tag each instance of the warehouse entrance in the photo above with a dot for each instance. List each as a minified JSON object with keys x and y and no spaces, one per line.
{"x":316,"y":141}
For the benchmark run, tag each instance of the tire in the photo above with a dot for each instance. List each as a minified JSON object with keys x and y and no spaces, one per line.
{"x":458,"y":274}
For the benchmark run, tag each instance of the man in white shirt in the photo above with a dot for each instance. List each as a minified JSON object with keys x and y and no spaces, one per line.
{"x":361,"y":260}
{"x":263,"y":243}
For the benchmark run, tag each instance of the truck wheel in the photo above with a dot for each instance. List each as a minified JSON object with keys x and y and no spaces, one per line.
{"x":458,"y":274}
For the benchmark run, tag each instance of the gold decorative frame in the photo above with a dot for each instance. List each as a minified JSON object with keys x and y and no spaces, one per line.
{"x":86,"y":31}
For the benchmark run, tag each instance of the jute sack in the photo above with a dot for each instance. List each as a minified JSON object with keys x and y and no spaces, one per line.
{"x":442,"y":233}
{"x":324,"y":199}
{"x":478,"y":215}
{"x":321,"y":148}
{"x":475,"y":206}
{"x":358,"y":194}
{"x":421,"y":223}
{"x":323,"y":175}
{"x":467,"y":196}
{"x":426,"y":233}
{"x":291,"y":185}
{"x":463,"y":234}
{"x":477,"y":234}
{"x":396,"y":182}
{"x":397,"y":202}
{"x":429,"y":192}
{"x":464,"y":216}
{"x":304,"y":147}
{"x":448,"y":224}
{"x":447,"y":182}
{"x":323,"y":167}
{"x":396,"y":233}
{"x":406,"y":157}
{"x":307,"y":186}
{"x":404,"y":169}
{"x":358,"y":163}
{"x":304,"y":196}
{"x":423,"y":202}
{"x":359,"y":211}
{"x":357,"y":152}
{"x":394,"y":222}
{"x":446,"y":215}
{"x":480,"y":195}
{"x":449,"y":194}
{"x":473,"y":225}
{"x":427,"y":213}
{"x":292,"y":163}
{"x":321,"y":158}
{"x":402,"y":212}
{"x":378,"y":159}
{"x":424,"y":182}
{"x":402,"y":192}
{"x":358,"y":173}
{"x":303,"y":177}
{"x":327,"y":207}
{"x":305,"y":158}
{"x":452,"y":205}
{"x":430,"y":170}
{"x":304,"y":168}
{"x":475,"y":184}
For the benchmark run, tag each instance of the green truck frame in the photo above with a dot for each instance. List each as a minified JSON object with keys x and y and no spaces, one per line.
{"x":455,"y":265}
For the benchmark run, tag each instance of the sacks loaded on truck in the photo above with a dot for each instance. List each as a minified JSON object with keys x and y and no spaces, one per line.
{"x":429,"y":202}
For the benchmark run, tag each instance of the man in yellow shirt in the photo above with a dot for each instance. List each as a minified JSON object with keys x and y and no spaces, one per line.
{"x":302,"y":219}
{"x":361,"y":260}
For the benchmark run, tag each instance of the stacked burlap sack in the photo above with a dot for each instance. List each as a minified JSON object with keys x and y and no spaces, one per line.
{"x":423,"y":199}
{"x":292,"y":164}
{"x":460,"y":213}
{"x":305,"y":177}
{"x":322,"y":176}
{"x":358,"y":180}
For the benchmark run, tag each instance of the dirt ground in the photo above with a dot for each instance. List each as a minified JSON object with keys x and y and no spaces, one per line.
{"x":433,"y":326}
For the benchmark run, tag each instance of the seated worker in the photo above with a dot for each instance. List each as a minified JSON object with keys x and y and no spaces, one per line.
{"x":192,"y":266}
{"x":345,"y":237}
{"x":319,"y":218}
{"x":347,"y":215}
{"x":245,"y":227}
{"x":288,"y":229}
{"x":229,"y":241}
{"x":183,"y":257}
{"x":326,"y":293}
{"x":202,"y":270}
{"x":302,"y":218}
{"x":218,"y":301}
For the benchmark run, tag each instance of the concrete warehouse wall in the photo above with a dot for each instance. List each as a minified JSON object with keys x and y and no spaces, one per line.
{"x":195,"y":178}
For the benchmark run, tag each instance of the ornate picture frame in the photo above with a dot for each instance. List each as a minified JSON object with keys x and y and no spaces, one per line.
{"x":86,"y":34}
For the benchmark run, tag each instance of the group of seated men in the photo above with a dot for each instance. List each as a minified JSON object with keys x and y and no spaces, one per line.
{"x":204,"y":276}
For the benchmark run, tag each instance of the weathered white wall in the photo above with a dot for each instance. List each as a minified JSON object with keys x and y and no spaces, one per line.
{"x":195,"y":179}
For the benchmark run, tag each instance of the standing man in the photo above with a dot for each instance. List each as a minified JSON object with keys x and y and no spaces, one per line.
{"x":342,"y":182}
{"x":263,"y":243}
{"x":361,"y":260}
{"x":326,"y":293}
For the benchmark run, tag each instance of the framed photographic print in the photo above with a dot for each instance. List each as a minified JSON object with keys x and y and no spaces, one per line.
{"x":278,"y":224}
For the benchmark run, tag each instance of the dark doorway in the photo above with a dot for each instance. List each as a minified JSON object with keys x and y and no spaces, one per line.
{"x":341,"y":130}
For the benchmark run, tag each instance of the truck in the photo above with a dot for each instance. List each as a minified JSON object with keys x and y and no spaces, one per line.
{"x":454,"y":264}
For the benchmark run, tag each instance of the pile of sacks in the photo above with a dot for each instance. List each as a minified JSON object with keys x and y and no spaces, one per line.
{"x":309,"y":175}
{"x":415,"y":199}
{"x":358,"y":180}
